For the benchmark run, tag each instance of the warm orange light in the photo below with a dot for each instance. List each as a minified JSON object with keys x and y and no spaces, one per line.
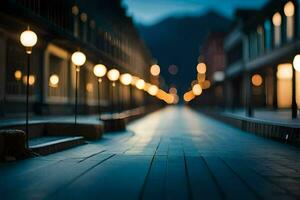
{"x":285,"y":71}
{"x":113,"y":74}
{"x":276,"y":19}
{"x":155,"y":70}
{"x":99,"y":70}
{"x":153,"y":90}
{"x":18,"y":75}
{"x":289,"y":9}
{"x":140,"y":84}
{"x":89,"y":87}
{"x":257,"y":80}
{"x":201,"y":68}
{"x":31,"y":80}
{"x":205,"y":84}
{"x":200,"y":77}
{"x":188,"y":96}
{"x":126,"y":79}
{"x":197,"y":90}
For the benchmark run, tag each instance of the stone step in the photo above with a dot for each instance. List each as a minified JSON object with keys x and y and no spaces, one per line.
{"x":48,"y":145}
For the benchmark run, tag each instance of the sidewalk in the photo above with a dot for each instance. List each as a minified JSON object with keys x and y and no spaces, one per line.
{"x":273,"y":124}
{"x":279,"y":117}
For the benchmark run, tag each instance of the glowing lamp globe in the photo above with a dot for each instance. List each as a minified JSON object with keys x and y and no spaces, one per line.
{"x":289,"y":9}
{"x":276,"y":19}
{"x":197,"y":90}
{"x":140,"y":84}
{"x":296,"y":62}
{"x":153,"y":90}
{"x":113,"y":75}
{"x":201,"y":68}
{"x":99,"y":70}
{"x":126,"y":79}
{"x":53,"y":80}
{"x":155,"y":70}
{"x":78,"y":58}
{"x":28,"y":39}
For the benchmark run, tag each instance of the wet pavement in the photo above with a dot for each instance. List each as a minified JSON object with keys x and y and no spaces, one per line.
{"x":174,"y":153}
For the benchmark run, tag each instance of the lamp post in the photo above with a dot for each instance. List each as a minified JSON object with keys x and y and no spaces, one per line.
{"x":99,"y":72}
{"x":126,"y":80}
{"x":113,"y":75}
{"x":28,"y":39}
{"x":296,"y":65}
{"x":78,"y":59}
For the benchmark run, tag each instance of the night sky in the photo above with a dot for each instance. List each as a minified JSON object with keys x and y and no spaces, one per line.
{"x":149,"y":12}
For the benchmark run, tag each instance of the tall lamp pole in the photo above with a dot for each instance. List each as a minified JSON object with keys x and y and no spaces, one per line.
{"x":296,"y":65}
{"x":113,"y":75}
{"x":126,"y":80}
{"x":78,"y":59}
{"x":99,"y":72}
{"x":28,"y":39}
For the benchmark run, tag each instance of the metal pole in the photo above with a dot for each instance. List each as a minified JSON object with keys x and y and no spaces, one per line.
{"x":99,"y":106}
{"x":27,"y":100}
{"x":294,"y":103}
{"x":76,"y":93}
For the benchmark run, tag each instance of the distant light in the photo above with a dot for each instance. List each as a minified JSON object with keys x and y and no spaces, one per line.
{"x":289,"y":9}
{"x":205,"y":84}
{"x":197,"y":90}
{"x":113,"y":75}
{"x":155,"y":70}
{"x":89,"y":87}
{"x":78,"y":58}
{"x":219,"y":76}
{"x":126,"y":79}
{"x":200,"y":77}
{"x":296,"y":63}
{"x":53,"y":80}
{"x":188,"y":96}
{"x":176,"y":99}
{"x":140,"y":84}
{"x":276,"y":19}
{"x":99,"y":70}
{"x":285,"y":71}
{"x":173,"y":90}
{"x":18,"y":75}
{"x":173,"y":69}
{"x":257,"y":80}
{"x":201,"y":68}
{"x":153,"y":90}
{"x":31,"y":80}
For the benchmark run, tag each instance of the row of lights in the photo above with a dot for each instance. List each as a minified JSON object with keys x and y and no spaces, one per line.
{"x":28,"y":39}
{"x":199,"y":85}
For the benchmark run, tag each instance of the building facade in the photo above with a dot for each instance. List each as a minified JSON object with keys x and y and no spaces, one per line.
{"x":100,"y":29}
{"x":260,"y":49}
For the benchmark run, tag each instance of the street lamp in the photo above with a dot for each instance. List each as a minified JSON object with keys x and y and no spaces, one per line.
{"x":28,"y":39}
{"x":126,"y":80}
{"x":99,"y":72}
{"x":296,"y":64}
{"x":78,"y":59}
{"x":113,"y":75}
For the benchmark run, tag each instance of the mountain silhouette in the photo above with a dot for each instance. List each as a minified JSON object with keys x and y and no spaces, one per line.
{"x":178,"y":40}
